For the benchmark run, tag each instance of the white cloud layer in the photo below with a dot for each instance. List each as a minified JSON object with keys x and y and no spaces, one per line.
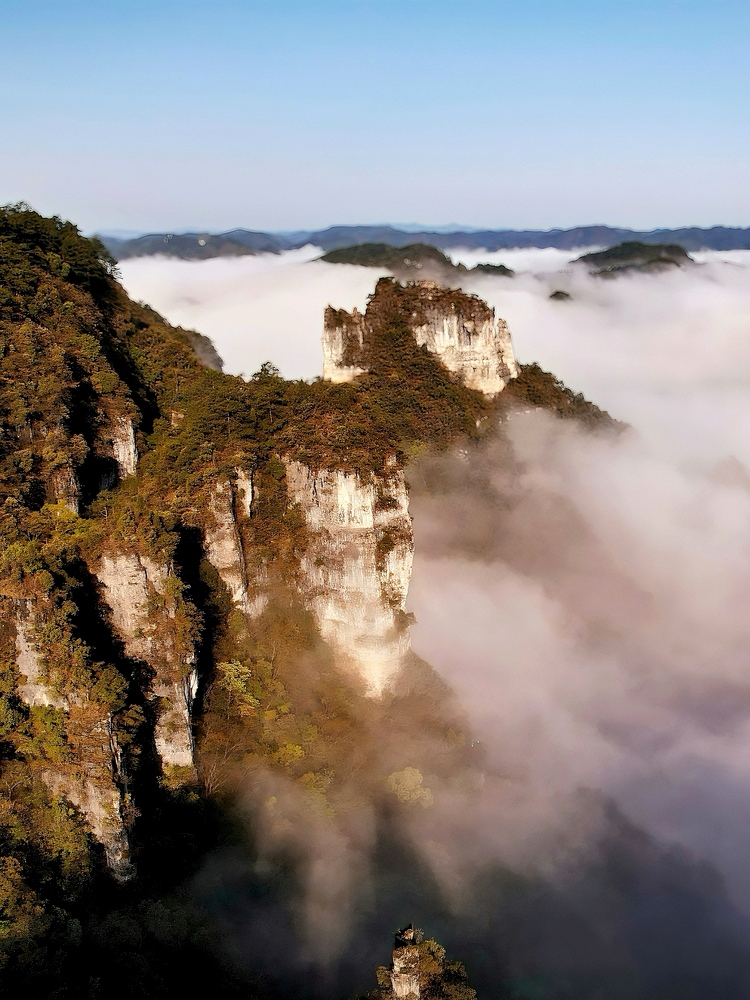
{"x":636,"y":345}
{"x":591,"y":613}
{"x":263,"y":308}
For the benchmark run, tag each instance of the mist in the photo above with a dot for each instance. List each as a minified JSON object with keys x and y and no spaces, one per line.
{"x":636,"y":345}
{"x":585,"y":597}
{"x":260,"y":308}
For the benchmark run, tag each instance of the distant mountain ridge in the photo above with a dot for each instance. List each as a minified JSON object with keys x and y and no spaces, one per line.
{"x":240,"y":242}
{"x":412,"y":260}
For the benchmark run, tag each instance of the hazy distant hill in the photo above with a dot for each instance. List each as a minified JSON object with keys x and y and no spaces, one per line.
{"x":635,"y":255}
{"x":414,"y":260}
{"x":194,"y":246}
{"x":238,"y":242}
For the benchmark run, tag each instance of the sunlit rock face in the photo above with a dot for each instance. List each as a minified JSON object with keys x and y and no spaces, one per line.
{"x":64,"y":486}
{"x":461,"y":331}
{"x":89,"y":779}
{"x":357,"y":565}
{"x":33,"y":690}
{"x":136,"y":590}
{"x":464,"y":333}
{"x":227,"y":503}
{"x":343,"y":336}
{"x":405,"y":965}
{"x":96,"y":796}
{"x":124,"y":450}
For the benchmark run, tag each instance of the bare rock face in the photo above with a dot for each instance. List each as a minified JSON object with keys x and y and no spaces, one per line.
{"x":461,"y":331}
{"x":224,"y":545}
{"x":343,"y":336}
{"x":464,"y":333}
{"x":404,"y":972}
{"x":223,"y":540}
{"x":357,"y":565}
{"x":124,"y":450}
{"x":65,"y":486}
{"x":90,"y":787}
{"x":34,"y":690}
{"x":89,"y":780}
{"x":136,"y":590}
{"x":244,"y":491}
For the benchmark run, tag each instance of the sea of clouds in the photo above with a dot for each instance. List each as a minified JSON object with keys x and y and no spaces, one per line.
{"x":596,"y":623}
{"x":588,"y":602}
{"x":635,"y":345}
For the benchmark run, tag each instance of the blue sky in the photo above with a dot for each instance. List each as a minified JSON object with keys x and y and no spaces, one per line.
{"x":292,"y":114}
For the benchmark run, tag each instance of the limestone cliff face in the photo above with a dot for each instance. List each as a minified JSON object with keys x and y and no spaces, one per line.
{"x":461,"y":330}
{"x":223,"y":540}
{"x":124,"y":449}
{"x":464,"y":333}
{"x":89,"y":779}
{"x":136,"y":589}
{"x":96,"y":796}
{"x":357,"y":566}
{"x":64,"y":486}
{"x":343,"y":337}
{"x":404,"y":971}
{"x":33,"y":690}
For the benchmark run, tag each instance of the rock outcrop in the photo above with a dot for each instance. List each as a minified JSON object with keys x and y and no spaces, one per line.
{"x":223,"y":540}
{"x":124,"y":450}
{"x":89,"y":779}
{"x":461,"y":331}
{"x":92,"y":789}
{"x":357,"y":565}
{"x":136,"y":589}
{"x":33,"y":690}
{"x":422,"y":968}
{"x":343,"y":339}
{"x":404,"y":971}
{"x":64,"y":486}
{"x":464,"y":333}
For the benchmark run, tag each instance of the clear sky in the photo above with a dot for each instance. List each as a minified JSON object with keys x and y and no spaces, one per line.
{"x":122,"y":114}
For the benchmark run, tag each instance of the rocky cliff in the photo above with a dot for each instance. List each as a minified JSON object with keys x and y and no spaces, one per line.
{"x":421,"y":968}
{"x":229,"y":504}
{"x":90,"y":776}
{"x":124,"y":450}
{"x":357,"y":565}
{"x":343,"y":340}
{"x":458,"y":329}
{"x":142,"y":598}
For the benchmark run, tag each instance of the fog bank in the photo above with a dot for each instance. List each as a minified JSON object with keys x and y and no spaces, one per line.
{"x":586,"y":596}
{"x":636,"y":345}
{"x":260,"y":308}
